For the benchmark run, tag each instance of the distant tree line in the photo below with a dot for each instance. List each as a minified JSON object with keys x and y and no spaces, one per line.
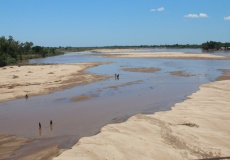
{"x":12,"y":51}
{"x":212,"y":45}
{"x":205,"y":46}
{"x":80,"y":49}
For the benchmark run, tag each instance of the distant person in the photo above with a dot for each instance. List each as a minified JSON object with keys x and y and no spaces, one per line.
{"x":26,"y":96}
{"x":118,"y":76}
{"x":40,"y":126}
{"x":51,"y":125}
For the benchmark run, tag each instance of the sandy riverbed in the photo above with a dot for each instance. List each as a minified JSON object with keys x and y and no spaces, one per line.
{"x":194,"y":129}
{"x":170,"y":55}
{"x":16,"y":81}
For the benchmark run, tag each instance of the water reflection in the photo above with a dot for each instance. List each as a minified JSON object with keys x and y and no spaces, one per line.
{"x":51,"y":128}
{"x":40,"y":132}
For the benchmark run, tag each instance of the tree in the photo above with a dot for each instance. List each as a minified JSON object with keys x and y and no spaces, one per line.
{"x":37,"y":49}
{"x":212,"y":45}
{"x":27,"y":47}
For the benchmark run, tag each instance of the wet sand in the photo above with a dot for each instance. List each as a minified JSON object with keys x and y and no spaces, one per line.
{"x":181,"y":74}
{"x":225,"y":76}
{"x":13,"y":147}
{"x":9,"y":144}
{"x":16,"y":82}
{"x":165,"y":55}
{"x":194,"y":129}
{"x":124,"y":85}
{"x":144,"y":70}
{"x":83,"y":97}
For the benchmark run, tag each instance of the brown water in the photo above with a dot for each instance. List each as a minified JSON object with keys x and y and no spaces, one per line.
{"x":72,"y":120}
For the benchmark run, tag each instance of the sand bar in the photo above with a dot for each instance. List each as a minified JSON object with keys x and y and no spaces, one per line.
{"x":32,"y":80}
{"x":144,"y":70}
{"x":194,"y":129}
{"x":181,"y":74}
{"x":168,"y":55}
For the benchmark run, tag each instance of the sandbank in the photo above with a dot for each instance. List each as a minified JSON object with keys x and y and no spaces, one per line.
{"x":194,"y":129}
{"x":16,"y":82}
{"x":145,"y":70}
{"x":165,"y":55}
{"x":181,"y":74}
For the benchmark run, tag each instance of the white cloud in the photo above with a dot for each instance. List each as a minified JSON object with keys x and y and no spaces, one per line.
{"x":157,"y":9}
{"x":201,"y":15}
{"x":227,"y":18}
{"x":191,"y":16}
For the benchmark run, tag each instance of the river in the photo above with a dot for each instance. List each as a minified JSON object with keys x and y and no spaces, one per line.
{"x":147,"y":93}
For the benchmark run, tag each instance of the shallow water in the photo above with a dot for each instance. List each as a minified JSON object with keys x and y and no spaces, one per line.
{"x":155,"y":92}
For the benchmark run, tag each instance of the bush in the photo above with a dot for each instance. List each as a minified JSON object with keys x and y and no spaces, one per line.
{"x":2,"y":63}
{"x":10,"y":60}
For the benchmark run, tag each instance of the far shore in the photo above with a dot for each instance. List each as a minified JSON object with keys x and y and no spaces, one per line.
{"x":30,"y":80}
{"x":129,"y":53}
{"x":197,"y":128}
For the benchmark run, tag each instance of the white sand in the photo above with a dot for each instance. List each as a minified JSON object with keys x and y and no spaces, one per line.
{"x":199,"y":127}
{"x":41,"y":79}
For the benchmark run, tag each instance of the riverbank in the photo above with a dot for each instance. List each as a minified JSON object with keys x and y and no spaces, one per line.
{"x":17,"y":82}
{"x":194,"y":129}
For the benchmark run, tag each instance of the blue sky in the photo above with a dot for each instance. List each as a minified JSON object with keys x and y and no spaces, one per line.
{"x":115,"y":22}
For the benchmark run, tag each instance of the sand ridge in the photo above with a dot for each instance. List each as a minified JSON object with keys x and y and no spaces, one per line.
{"x":17,"y":81}
{"x":194,"y":129}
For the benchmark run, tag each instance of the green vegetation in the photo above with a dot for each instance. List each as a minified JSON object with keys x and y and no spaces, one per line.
{"x":81,"y":49}
{"x":212,"y":45}
{"x":12,"y":52}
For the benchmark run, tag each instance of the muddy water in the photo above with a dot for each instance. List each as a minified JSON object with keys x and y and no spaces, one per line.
{"x":72,"y":120}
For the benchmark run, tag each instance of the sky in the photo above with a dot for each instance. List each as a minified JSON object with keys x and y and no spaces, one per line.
{"x":90,"y":23}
